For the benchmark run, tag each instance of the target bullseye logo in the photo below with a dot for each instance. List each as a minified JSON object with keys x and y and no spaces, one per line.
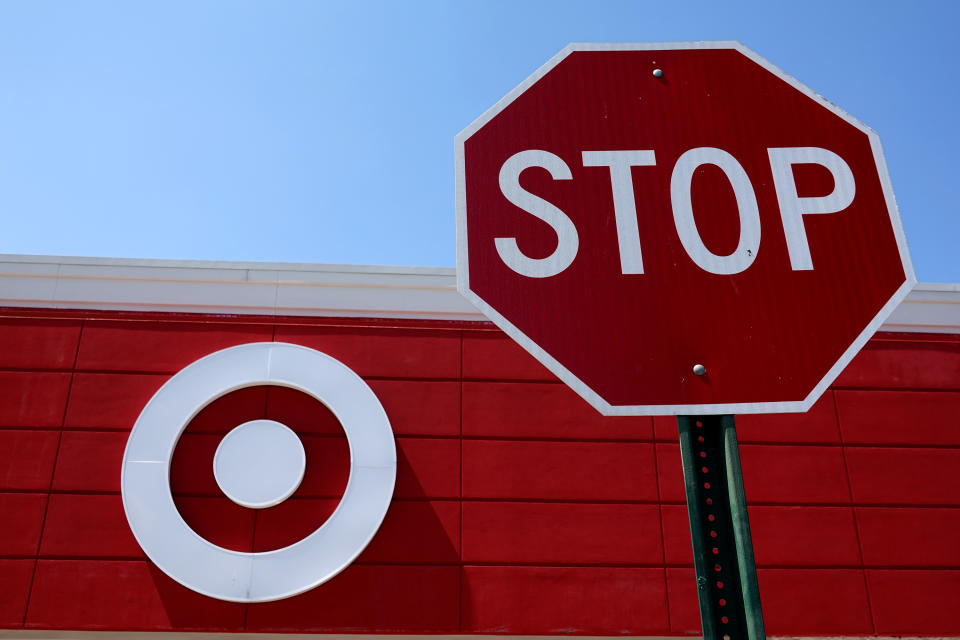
{"x":257,"y":465}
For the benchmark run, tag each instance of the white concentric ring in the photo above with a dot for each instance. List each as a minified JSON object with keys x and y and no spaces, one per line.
{"x":272,"y":575}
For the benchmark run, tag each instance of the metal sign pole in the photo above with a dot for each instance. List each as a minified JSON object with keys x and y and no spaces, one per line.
{"x":719,"y":529}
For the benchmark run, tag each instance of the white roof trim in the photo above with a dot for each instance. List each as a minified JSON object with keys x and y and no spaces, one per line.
{"x":929,"y":308}
{"x":292,"y":289}
{"x":251,"y":288}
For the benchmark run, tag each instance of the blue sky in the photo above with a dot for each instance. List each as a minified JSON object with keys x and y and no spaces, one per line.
{"x":323,"y":131}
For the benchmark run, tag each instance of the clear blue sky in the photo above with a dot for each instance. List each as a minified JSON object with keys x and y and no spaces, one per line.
{"x":323,"y":131}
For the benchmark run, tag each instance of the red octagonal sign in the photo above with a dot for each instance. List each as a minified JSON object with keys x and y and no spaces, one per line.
{"x":631,"y":211}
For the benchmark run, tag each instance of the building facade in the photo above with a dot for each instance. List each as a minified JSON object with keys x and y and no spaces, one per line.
{"x":518,"y":510}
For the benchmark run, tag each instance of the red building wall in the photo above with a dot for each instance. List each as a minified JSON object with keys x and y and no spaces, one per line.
{"x":517,"y":510}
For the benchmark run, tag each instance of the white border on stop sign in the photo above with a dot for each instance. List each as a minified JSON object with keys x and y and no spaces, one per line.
{"x":588,"y":394}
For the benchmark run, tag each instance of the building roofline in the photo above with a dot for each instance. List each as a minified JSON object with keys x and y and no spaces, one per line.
{"x":300,"y":289}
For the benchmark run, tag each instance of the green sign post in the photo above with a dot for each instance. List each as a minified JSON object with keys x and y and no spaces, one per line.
{"x":720,"y":529}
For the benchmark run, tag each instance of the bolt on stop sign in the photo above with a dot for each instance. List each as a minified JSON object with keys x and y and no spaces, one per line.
{"x":629,"y":212}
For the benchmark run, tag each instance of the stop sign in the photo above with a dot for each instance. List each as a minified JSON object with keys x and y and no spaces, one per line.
{"x":629,"y":212}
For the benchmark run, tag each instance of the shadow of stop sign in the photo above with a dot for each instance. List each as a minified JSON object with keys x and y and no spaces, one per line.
{"x":631,"y":211}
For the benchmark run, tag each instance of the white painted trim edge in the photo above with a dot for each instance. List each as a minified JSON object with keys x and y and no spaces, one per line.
{"x":237,"y":288}
{"x":289,"y":289}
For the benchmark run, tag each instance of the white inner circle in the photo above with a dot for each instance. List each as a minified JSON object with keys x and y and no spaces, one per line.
{"x":259,"y":464}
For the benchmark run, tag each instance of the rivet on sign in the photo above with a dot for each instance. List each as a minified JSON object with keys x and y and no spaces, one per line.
{"x":657,"y":73}
{"x":699,"y":369}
